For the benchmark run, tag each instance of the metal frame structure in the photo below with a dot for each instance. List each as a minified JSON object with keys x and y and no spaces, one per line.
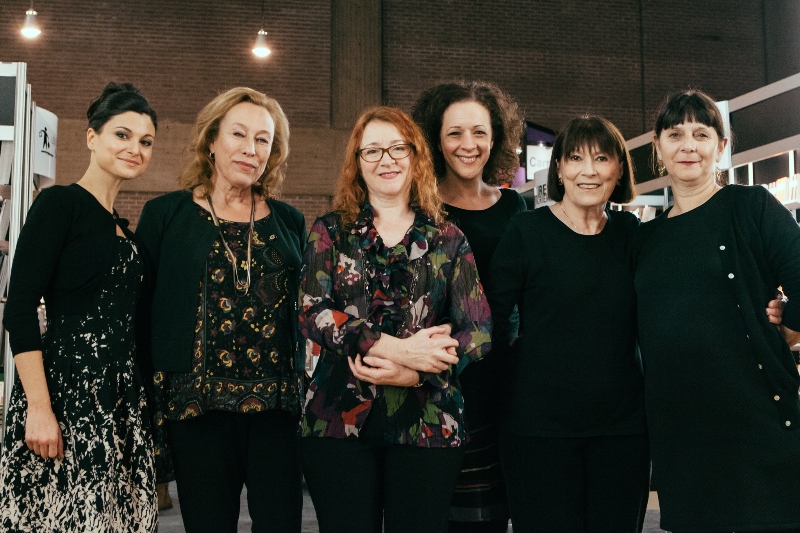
{"x":21,"y":188}
{"x":747,"y":157}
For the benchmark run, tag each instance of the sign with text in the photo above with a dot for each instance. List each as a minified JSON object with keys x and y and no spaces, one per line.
{"x":542,"y":198}
{"x":538,"y":158}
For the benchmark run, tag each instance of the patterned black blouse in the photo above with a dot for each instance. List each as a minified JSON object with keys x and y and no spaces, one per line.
{"x":243,"y":354}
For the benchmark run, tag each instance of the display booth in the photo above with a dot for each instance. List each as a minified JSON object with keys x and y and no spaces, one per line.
{"x":764,"y":150}
{"x":28,"y":140}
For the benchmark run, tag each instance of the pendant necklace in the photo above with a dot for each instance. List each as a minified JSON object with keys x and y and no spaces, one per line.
{"x":561,"y":204}
{"x":241,"y":287}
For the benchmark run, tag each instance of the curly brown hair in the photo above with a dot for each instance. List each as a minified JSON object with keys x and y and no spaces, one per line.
{"x":200,"y":169}
{"x":351,"y":189}
{"x":507,"y":125}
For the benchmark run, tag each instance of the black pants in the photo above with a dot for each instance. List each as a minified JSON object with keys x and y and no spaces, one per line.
{"x":580,"y":485}
{"x":217,"y":453}
{"x":486,"y":526}
{"x":357,"y":484}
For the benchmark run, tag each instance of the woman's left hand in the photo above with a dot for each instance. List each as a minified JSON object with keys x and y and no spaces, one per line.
{"x":379,"y":371}
{"x":775,"y":309}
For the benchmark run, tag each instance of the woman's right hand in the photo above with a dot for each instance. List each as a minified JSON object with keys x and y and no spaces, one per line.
{"x":43,"y":434}
{"x":427,"y":350}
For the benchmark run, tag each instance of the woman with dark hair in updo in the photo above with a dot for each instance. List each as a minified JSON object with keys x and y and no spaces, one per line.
{"x":473,"y":130}
{"x":78,"y":453}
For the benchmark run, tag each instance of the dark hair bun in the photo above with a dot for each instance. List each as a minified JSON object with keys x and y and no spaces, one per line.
{"x":118,"y":98}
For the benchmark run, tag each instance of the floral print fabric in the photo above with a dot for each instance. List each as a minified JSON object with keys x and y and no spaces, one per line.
{"x":106,"y":481}
{"x":354,"y":288}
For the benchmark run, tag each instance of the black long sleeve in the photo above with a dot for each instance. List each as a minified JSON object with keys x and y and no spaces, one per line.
{"x":63,"y":250}
{"x":575,"y":370}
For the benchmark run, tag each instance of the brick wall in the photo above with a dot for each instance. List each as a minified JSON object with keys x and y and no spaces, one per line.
{"x":558,"y":59}
{"x":129,"y":205}
{"x":561,"y":59}
{"x":180,"y":53}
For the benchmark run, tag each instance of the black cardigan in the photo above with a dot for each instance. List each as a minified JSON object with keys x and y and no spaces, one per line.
{"x":64,"y":249}
{"x":762,"y":252}
{"x":176,"y":241}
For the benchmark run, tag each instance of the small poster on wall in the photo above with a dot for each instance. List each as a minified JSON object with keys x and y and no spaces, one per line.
{"x":45,"y":139}
{"x":538,"y":158}
{"x":541,"y":193}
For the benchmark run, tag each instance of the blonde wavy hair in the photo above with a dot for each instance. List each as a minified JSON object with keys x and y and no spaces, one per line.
{"x":351,"y":189}
{"x":200,"y":170}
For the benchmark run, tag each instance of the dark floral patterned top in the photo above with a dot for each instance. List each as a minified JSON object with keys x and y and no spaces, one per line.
{"x":243,"y":353}
{"x":354,"y":288}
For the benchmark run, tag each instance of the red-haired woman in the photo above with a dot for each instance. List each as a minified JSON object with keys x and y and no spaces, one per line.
{"x":390,"y":293}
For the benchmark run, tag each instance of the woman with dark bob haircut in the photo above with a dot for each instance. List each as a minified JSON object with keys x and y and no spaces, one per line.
{"x":221,"y":312}
{"x":721,"y":383}
{"x":473,"y":130}
{"x":573,"y":435}
{"x":78,"y":451}
{"x":391,"y":294}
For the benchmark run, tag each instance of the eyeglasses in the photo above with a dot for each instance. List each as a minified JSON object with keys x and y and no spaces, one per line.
{"x":397,"y":151}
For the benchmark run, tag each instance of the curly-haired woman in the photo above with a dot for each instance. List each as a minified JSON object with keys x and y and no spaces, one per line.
{"x":473,"y":130}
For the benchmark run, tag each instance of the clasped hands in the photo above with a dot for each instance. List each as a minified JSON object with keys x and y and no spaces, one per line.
{"x":393,"y":361}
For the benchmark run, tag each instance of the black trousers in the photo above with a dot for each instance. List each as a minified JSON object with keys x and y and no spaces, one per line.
{"x":576,"y":485}
{"x":357,"y":484}
{"x":217,"y":453}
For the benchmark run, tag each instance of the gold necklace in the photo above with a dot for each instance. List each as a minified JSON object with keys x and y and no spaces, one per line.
{"x":561,"y":204}
{"x":238,"y":285}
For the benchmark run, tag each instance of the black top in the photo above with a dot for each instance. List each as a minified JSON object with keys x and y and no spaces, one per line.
{"x":177,"y":242}
{"x":575,"y":370}
{"x":64,"y":249}
{"x":483,"y":228}
{"x":721,"y":385}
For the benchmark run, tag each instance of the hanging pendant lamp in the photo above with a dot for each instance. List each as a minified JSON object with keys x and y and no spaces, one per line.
{"x":31,"y":27}
{"x":261,"y":49}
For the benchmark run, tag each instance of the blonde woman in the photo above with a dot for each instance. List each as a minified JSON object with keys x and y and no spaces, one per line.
{"x":224,"y":262}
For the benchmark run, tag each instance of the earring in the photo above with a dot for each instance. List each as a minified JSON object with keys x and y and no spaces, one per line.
{"x":560,"y":181}
{"x":661,"y":170}
{"x":211,"y":156}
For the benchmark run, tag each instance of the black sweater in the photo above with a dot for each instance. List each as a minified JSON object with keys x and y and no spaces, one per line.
{"x":176,"y":242}
{"x":575,"y":370}
{"x":63,"y":251}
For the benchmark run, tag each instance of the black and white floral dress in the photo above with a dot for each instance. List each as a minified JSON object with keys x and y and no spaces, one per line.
{"x":106,"y":481}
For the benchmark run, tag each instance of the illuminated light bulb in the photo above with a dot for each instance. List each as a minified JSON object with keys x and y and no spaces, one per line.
{"x":30,"y":29}
{"x":260,"y":49}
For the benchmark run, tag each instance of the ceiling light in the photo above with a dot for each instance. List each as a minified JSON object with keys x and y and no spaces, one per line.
{"x":260,"y":49}
{"x":31,"y":28}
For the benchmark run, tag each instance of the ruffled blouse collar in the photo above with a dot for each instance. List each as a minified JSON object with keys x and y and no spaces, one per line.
{"x":387,"y":268}
{"x":414,"y":244}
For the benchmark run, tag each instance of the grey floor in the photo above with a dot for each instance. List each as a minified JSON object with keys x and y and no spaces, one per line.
{"x":170,"y":521}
